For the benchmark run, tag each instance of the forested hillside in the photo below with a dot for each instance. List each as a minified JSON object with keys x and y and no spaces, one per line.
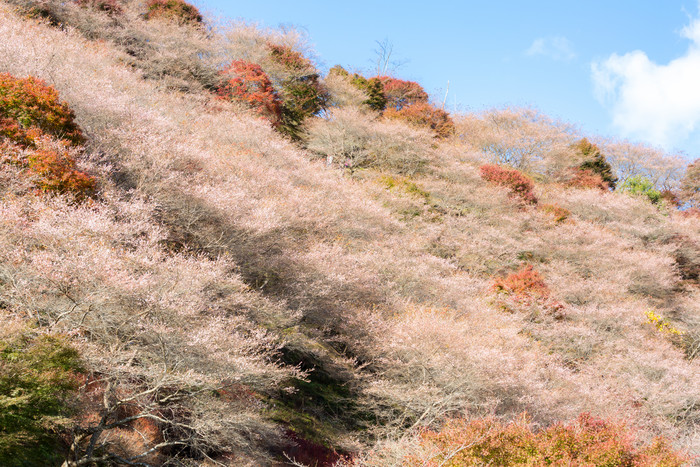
{"x":213,"y":253}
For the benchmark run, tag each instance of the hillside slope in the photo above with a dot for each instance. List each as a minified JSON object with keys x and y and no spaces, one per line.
{"x":245,"y":299}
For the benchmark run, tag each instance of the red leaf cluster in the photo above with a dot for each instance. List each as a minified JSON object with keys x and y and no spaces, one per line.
{"x":426,"y":115}
{"x":31,"y":116}
{"x":526,"y":283}
{"x":519,"y":184}
{"x":55,"y":172}
{"x":400,"y":93}
{"x":250,"y":84}
{"x":29,"y":108}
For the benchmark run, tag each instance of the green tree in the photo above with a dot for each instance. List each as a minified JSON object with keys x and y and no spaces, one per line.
{"x":595,"y":161}
{"x":642,"y":186}
{"x":373,"y":88}
{"x":37,"y":377}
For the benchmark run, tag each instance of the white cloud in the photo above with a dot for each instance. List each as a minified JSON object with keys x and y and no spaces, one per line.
{"x":556,"y":48}
{"x":657,"y":103}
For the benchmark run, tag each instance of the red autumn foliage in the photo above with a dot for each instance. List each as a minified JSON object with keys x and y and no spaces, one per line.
{"x":250,"y":84}
{"x":400,"y":93}
{"x":519,"y":184}
{"x":32,"y":117}
{"x":525,"y":283}
{"x":586,"y":441}
{"x":426,"y":115}
{"x":56,"y":172}
{"x":586,"y":178}
{"x":28,"y":107}
{"x":174,"y":10}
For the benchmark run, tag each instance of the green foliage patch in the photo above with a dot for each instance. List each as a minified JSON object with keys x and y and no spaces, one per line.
{"x":641,"y":186}
{"x":38,"y":374}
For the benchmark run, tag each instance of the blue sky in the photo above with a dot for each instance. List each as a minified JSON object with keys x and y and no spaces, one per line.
{"x":615,"y":68}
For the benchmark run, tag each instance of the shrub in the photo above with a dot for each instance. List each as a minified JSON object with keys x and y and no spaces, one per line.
{"x":519,"y":184}
{"x":302,"y":98}
{"x":376,"y":99}
{"x":587,"y":441}
{"x":289,"y":58}
{"x":352,"y":139}
{"x":426,"y":115}
{"x":55,"y":172}
{"x":595,"y":162}
{"x":28,"y":107}
{"x":173,"y":10}
{"x":524,"y":284}
{"x":406,"y":185}
{"x":400,"y":93}
{"x":250,"y":84}
{"x":108,"y":6}
{"x":560,"y":214}
{"x":585,"y":178}
{"x":639,"y":185}
{"x":302,"y":93}
{"x":686,"y":255}
{"x":372,"y":88}
{"x":37,"y":377}
{"x":342,"y":92}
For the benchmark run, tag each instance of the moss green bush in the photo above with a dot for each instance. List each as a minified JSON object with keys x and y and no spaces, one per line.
{"x":641,"y":186}
{"x":303,"y":95}
{"x":38,"y":374}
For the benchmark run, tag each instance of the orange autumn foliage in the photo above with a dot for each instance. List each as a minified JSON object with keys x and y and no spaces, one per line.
{"x":250,"y":84}
{"x":586,"y":441}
